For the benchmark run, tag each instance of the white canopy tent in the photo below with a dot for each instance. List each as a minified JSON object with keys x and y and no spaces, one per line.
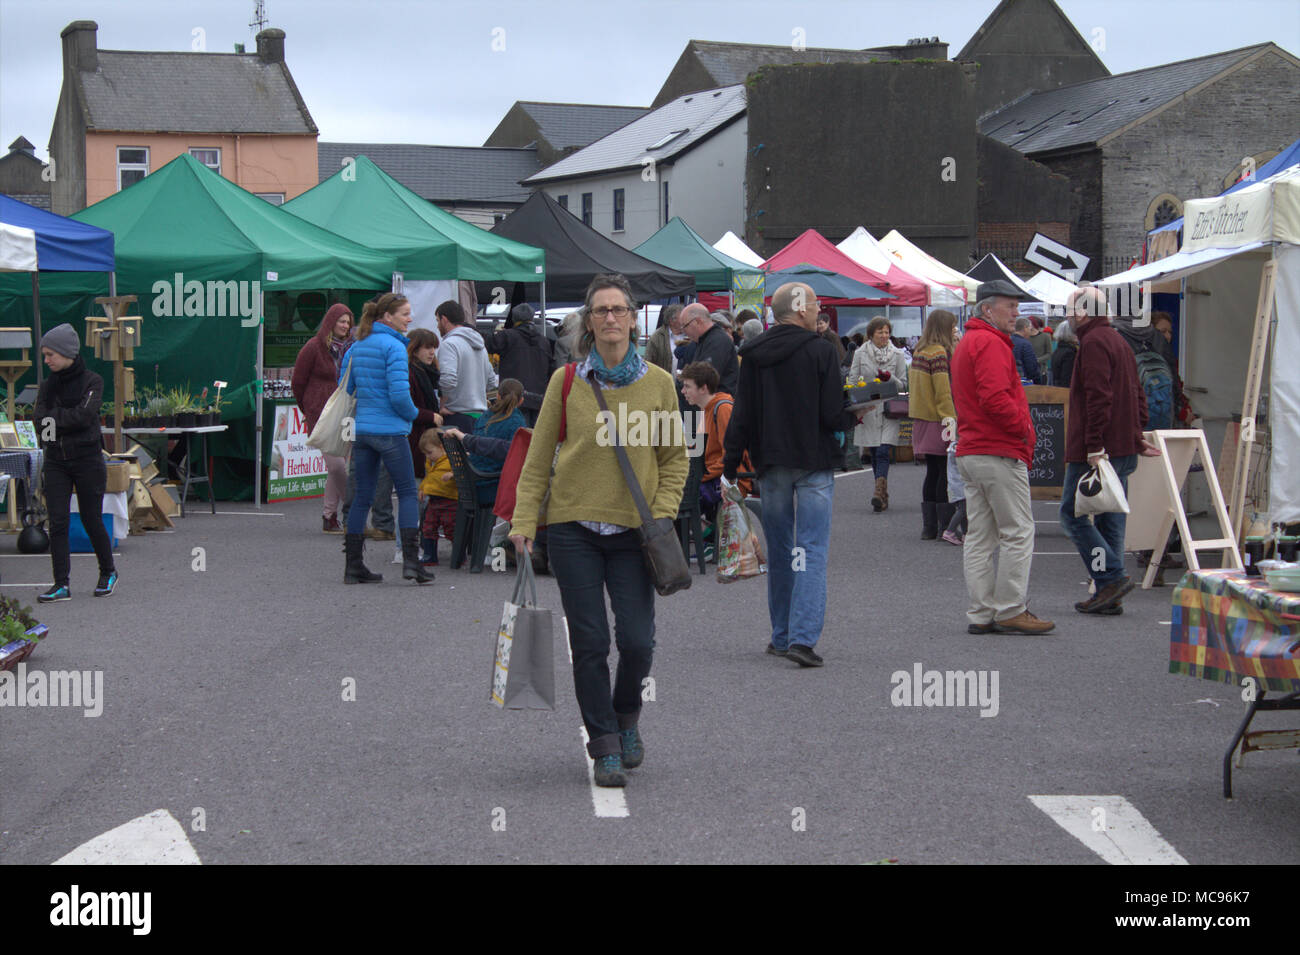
{"x":734,"y":246}
{"x":921,"y":263}
{"x":1051,"y":289}
{"x":17,"y":248}
{"x":1227,"y":241}
{"x":862,"y":247}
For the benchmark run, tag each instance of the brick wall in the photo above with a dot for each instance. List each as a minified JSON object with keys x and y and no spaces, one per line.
{"x":1190,"y":147}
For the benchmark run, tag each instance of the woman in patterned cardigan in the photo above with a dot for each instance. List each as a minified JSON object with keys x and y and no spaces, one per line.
{"x":934,"y":418}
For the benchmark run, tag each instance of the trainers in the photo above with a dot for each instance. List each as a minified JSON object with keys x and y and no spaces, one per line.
{"x":633,"y":748}
{"x":772,"y":649}
{"x":989,"y":627}
{"x":609,"y":771}
{"x":107,"y":583}
{"x":1024,"y":622}
{"x":1106,"y":598}
{"x":952,"y":537}
{"x":57,"y":592}
{"x":804,"y":656}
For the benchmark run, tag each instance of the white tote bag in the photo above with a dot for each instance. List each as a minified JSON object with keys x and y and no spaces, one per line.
{"x":1099,"y":492}
{"x":327,"y":436}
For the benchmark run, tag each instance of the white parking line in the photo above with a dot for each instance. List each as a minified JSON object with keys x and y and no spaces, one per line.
{"x":1112,"y":827}
{"x":608,"y":803}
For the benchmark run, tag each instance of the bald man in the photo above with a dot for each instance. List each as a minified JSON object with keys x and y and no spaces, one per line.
{"x":789,"y":404}
{"x":714,"y":344}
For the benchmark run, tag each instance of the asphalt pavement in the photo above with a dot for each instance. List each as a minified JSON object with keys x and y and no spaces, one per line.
{"x":280,"y":716}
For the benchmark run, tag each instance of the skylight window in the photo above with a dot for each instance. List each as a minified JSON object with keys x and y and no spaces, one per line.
{"x":667,"y":139}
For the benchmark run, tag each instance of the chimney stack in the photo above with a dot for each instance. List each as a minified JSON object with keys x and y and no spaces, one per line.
{"x":270,"y":45}
{"x":80,"y":46}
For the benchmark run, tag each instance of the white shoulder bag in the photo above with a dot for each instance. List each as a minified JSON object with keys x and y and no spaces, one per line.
{"x":327,"y":436}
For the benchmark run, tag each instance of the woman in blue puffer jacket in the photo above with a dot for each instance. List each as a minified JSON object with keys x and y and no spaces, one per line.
{"x":377,"y":375}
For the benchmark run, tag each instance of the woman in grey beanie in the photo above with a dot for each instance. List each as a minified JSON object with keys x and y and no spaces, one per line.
{"x":67,"y":420}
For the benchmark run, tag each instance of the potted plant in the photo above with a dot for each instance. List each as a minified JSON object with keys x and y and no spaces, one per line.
{"x":19,"y":633}
{"x":107,"y":411}
{"x":184,"y":407}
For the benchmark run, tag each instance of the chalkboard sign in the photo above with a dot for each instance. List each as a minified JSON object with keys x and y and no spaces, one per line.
{"x":1049,"y":409}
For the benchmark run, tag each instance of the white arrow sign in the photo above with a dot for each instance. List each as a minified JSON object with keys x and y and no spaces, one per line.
{"x":1056,"y":258}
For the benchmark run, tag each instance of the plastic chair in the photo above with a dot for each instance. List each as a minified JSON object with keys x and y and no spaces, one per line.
{"x":689,"y":523}
{"x":474,"y":521}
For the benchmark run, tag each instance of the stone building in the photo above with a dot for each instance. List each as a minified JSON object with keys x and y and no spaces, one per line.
{"x":23,"y":176}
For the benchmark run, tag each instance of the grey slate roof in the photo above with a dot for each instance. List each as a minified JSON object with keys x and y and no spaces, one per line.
{"x":730,"y":63}
{"x":574,"y":124}
{"x":697,"y":115}
{"x":192,"y":92}
{"x":1087,"y":112}
{"x":489,"y":174}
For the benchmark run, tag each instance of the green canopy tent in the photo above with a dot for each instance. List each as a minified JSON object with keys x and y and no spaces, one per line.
{"x":365,"y":204}
{"x":201,"y":253}
{"x":680,"y":247}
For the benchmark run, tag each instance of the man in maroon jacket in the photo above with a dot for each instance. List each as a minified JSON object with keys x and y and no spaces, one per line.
{"x":1108,"y":413}
{"x":995,"y":446}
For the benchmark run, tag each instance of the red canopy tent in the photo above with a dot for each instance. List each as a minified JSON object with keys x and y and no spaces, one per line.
{"x":815,"y":249}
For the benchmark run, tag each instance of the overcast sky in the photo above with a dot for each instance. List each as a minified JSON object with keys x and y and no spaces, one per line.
{"x":445,"y":72}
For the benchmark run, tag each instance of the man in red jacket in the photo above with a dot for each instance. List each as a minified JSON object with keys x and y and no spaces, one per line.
{"x":1108,"y":413}
{"x":995,"y":446}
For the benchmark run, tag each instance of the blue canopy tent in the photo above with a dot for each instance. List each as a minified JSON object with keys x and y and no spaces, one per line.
{"x":62,"y":245}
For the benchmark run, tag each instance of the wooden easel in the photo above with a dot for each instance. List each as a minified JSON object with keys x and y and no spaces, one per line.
{"x":1250,"y":403}
{"x":1178,"y":450}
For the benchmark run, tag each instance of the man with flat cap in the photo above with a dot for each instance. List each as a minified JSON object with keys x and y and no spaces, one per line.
{"x":995,"y":447}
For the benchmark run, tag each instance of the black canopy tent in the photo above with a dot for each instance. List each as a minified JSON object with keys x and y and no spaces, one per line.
{"x":575,"y":253}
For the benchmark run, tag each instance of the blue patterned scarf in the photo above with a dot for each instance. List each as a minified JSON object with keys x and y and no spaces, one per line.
{"x":622,"y":374}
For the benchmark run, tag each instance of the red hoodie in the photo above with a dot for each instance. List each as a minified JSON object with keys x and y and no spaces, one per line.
{"x":992,"y":413}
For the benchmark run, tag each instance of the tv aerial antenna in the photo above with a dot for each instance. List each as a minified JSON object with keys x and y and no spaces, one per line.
{"x":259,"y":17}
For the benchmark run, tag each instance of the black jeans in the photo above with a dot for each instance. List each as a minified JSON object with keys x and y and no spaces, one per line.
{"x":935,"y":486}
{"x":586,"y":564}
{"x":88,"y":475}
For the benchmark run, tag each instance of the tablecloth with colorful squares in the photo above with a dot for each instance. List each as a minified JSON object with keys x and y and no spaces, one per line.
{"x":1227,"y":626}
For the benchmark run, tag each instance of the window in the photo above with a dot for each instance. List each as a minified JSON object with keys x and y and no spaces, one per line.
{"x":132,"y":165}
{"x":586,"y":208}
{"x":209,"y":157}
{"x":618,"y":210}
{"x":1164,"y":209}
{"x":274,"y":198}
{"x":563,"y":201}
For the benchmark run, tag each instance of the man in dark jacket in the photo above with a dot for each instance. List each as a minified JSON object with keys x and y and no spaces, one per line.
{"x":789,"y":404}
{"x":1026,"y":358}
{"x":995,"y":447}
{"x":713,"y":344}
{"x":1108,"y":413}
{"x":525,"y":354}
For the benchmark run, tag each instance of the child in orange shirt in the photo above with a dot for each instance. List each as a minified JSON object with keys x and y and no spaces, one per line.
{"x":439,"y":488}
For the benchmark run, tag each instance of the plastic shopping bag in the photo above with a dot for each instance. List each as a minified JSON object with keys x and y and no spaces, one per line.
{"x":523,"y":669}
{"x":740,"y":554}
{"x":1099,"y":492}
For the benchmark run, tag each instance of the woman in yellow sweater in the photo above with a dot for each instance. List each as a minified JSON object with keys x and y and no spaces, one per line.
{"x":591,"y":518}
{"x":929,"y":405}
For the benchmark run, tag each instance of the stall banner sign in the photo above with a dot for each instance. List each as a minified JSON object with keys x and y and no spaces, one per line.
{"x":747,"y":287}
{"x":296,"y":471}
{"x":281,"y":350}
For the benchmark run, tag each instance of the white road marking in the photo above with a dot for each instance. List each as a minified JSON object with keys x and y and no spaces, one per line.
{"x":1125,"y":836}
{"x":154,"y":839}
{"x":608,"y":803}
{"x":242,"y":513}
{"x":841,"y":474}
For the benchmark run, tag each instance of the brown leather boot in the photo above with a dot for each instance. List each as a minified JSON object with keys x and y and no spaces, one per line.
{"x":880,"y":497}
{"x":884,"y":494}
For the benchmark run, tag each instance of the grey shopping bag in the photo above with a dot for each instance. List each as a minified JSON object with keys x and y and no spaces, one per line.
{"x":523,"y":668}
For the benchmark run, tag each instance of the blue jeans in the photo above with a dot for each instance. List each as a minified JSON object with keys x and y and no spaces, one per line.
{"x":586,"y":565}
{"x":393,"y":451}
{"x":381,"y":508}
{"x":879,"y":458}
{"x":1100,"y":541}
{"x":797,"y":522}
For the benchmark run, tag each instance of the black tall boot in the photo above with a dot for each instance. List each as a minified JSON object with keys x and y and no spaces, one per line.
{"x":411,"y":569}
{"x":929,"y":520}
{"x":355,"y":571}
